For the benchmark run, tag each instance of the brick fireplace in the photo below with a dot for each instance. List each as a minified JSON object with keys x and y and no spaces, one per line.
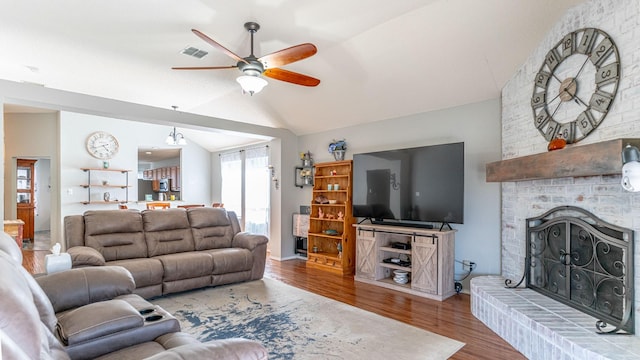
{"x":540,"y":327}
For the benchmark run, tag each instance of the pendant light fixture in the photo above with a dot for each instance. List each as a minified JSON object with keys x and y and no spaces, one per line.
{"x":175,"y":138}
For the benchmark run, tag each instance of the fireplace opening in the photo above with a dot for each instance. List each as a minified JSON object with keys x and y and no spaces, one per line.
{"x":584,"y":262}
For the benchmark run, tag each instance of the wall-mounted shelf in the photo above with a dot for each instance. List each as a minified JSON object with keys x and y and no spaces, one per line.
{"x":603,"y":158}
{"x":89,"y":185}
{"x":303,"y":176}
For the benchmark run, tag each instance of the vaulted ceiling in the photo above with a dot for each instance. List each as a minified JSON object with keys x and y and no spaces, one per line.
{"x":376,"y":59}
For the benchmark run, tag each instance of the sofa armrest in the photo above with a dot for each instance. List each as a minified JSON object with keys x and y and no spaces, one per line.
{"x":78,"y":287}
{"x":217,"y":349}
{"x":248,"y":241}
{"x":85,"y":256}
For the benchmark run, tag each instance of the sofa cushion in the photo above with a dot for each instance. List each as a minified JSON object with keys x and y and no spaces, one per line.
{"x":85,"y":256}
{"x":211,"y":228}
{"x":167,"y":231}
{"x":116,"y":234}
{"x":230,"y":260}
{"x":78,"y":287}
{"x":145,"y":272}
{"x":74,"y":230}
{"x":186,"y":265}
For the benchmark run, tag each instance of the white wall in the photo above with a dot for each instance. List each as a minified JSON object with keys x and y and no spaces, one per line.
{"x":75,"y":128}
{"x":601,"y":195}
{"x":478,"y":126}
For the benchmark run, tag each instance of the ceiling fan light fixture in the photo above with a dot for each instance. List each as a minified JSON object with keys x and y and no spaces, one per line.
{"x":251,"y":84}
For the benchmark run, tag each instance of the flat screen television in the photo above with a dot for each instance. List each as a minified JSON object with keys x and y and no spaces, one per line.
{"x":410,"y":187}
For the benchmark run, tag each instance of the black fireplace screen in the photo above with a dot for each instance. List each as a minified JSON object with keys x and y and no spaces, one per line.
{"x":584,"y":262}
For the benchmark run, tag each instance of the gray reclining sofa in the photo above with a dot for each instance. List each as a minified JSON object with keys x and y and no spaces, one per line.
{"x":169,"y":250}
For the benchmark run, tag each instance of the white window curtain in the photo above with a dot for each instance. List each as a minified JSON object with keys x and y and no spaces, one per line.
{"x":257,"y":184}
{"x":245,"y":187}
{"x":231,"y":192}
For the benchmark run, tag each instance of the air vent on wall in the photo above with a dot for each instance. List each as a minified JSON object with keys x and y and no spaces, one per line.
{"x":195,"y":52}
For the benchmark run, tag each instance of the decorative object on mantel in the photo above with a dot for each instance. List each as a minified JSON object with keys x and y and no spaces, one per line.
{"x":338,"y":149}
{"x":631,"y":168}
{"x":575,"y":92}
{"x":556,"y":144}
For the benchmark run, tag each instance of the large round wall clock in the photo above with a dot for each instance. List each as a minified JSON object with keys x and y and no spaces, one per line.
{"x":102,"y":145}
{"x":576,"y":85}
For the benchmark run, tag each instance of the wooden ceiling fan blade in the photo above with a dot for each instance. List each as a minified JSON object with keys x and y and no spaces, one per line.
{"x":291,"y":77}
{"x":215,"y":44}
{"x":203,"y":67}
{"x":288,"y":55}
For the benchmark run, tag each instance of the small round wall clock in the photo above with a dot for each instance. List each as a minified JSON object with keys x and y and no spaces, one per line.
{"x":102,"y":145}
{"x":575,"y":86}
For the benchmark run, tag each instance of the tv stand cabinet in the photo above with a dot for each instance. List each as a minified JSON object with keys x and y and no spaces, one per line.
{"x":431,"y":259}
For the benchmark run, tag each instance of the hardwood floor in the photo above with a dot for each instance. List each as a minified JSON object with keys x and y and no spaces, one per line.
{"x":451,"y":318}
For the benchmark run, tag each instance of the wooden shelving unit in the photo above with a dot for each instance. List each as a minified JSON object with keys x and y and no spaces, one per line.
{"x":331,"y":238}
{"x":92,"y":185}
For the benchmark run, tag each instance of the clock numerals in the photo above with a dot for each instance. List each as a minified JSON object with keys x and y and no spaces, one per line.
{"x":542,"y":119}
{"x":552,"y":130}
{"x":601,"y":52}
{"x":586,"y":42}
{"x":586,"y":122}
{"x":607,"y":74}
{"x":542,"y":79}
{"x":568,"y":45}
{"x":601,"y":101}
{"x":552,"y":60}
{"x":567,"y":131}
{"x":539,"y":99}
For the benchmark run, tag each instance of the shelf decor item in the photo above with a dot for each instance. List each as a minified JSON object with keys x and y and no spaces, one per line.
{"x":307,"y":160}
{"x":338,"y":149}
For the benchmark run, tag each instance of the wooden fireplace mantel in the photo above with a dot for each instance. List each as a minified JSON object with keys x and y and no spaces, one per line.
{"x":603,"y":158}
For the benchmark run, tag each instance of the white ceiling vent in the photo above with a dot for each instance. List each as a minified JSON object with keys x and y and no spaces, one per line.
{"x":195,"y":52}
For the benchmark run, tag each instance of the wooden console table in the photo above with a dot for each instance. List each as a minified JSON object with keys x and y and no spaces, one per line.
{"x":15,"y":228}
{"x":431,"y":255}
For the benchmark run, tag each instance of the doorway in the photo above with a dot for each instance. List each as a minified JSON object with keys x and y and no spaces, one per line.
{"x":33,"y":201}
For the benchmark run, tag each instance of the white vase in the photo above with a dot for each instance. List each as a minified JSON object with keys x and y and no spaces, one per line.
{"x":339,"y":154}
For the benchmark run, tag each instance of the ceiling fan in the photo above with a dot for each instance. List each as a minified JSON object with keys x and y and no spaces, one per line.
{"x":269,"y":65}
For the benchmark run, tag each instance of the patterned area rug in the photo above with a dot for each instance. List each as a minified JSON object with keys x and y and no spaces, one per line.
{"x":296,"y":324}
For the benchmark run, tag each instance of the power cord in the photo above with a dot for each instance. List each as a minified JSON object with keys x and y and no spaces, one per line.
{"x":465,"y":264}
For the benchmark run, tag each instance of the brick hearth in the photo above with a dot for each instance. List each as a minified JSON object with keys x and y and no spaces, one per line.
{"x":542,"y":328}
